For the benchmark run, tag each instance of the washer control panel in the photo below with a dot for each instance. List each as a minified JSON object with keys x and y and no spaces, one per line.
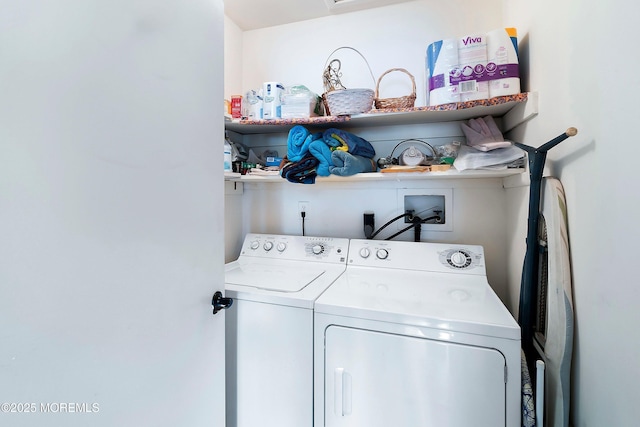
{"x":420,"y":256}
{"x":322,"y":249}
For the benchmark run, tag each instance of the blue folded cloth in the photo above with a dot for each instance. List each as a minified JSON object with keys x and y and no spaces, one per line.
{"x":298,"y":142}
{"x":322,"y":152}
{"x":345,"y":164}
{"x":301,"y":172}
{"x":346,"y":141}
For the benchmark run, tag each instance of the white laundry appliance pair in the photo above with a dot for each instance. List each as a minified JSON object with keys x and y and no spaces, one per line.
{"x":332,"y":332}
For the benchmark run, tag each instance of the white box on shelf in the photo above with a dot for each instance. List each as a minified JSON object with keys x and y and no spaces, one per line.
{"x":299,"y":106}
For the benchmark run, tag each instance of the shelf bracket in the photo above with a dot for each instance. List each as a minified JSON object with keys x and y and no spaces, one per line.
{"x":233,"y":187}
{"x":521,"y":113}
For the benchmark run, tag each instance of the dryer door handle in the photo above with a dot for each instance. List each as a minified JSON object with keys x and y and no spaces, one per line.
{"x":219,"y":302}
{"x":342,"y":392}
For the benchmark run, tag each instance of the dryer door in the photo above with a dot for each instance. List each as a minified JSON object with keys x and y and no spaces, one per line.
{"x":378,"y":379}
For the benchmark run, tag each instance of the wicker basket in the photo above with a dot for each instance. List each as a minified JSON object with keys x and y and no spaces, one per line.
{"x":346,"y":102}
{"x":340,"y":101}
{"x":400,"y":102}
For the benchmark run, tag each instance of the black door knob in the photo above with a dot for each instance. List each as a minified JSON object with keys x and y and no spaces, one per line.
{"x":219,"y":302}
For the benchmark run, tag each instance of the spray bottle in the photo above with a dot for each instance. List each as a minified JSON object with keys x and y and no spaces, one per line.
{"x":227,"y":154}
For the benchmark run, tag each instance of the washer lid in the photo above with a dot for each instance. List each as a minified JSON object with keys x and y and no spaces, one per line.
{"x":272,"y":275}
{"x":445,"y":301}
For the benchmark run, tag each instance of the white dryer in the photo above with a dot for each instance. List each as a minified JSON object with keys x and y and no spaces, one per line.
{"x":269,"y":328}
{"x":413,"y":335}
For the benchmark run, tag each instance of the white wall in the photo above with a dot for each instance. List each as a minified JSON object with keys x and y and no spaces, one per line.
{"x":388,"y":37}
{"x":577,"y":58}
{"x":232,"y":59}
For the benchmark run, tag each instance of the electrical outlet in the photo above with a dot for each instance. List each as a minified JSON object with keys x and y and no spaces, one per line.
{"x":303,"y":207}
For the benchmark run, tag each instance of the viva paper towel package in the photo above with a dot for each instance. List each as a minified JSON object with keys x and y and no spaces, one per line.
{"x":442,"y":64}
{"x":472,"y":58}
{"x":473,"y":67}
{"x":502,"y":66}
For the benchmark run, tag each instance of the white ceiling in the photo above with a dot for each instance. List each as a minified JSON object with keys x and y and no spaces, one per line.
{"x":255,"y":14}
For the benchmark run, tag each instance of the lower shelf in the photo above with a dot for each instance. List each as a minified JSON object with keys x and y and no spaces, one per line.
{"x":378,"y":176}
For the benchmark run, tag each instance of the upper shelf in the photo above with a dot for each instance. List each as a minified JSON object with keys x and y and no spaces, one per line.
{"x":514,"y":109}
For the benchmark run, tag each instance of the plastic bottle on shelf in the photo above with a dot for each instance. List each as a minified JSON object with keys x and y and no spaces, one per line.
{"x":227,"y":154}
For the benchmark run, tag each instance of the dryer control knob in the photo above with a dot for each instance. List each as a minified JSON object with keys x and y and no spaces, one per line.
{"x":267,"y":246}
{"x":459,"y":259}
{"x":317,"y":249}
{"x":281,"y":246}
{"x":255,"y":245}
{"x":365,"y":252}
{"x":382,"y":254}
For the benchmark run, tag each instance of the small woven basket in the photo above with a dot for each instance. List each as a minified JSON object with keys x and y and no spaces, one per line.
{"x":340,"y":101}
{"x":407,"y":101}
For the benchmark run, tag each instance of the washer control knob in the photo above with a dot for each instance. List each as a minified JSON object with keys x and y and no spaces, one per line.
{"x":281,"y":246}
{"x":382,"y":253}
{"x":460,"y":259}
{"x":365,"y":252}
{"x":317,"y":249}
{"x":255,"y":245}
{"x":267,"y":246}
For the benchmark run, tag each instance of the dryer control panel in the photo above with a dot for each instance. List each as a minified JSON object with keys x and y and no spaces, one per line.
{"x":419,"y":256}
{"x":296,"y":248}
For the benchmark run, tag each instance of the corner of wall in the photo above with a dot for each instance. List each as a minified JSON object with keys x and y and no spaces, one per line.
{"x":233,"y":40}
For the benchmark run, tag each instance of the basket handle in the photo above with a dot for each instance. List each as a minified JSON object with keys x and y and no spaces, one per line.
{"x":356,"y":51}
{"x":413,"y":80}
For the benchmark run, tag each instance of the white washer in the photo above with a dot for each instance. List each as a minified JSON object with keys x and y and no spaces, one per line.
{"x":413,"y":335}
{"x":269,"y":333}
